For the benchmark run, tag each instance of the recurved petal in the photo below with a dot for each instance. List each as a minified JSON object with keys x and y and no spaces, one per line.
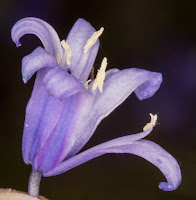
{"x":60,"y":84}
{"x":117,"y":87}
{"x":66,"y":165}
{"x":81,"y":63}
{"x":40,"y":28}
{"x":127,"y":144}
{"x":36,"y":60}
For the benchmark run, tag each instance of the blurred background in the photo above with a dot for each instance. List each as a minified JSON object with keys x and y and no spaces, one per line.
{"x":154,"y":35}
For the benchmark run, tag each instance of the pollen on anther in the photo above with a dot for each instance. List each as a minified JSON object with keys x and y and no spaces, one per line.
{"x":68,"y":49}
{"x":58,"y":58}
{"x":152,"y":122}
{"x":86,"y":84}
{"x":92,"y":40}
{"x":99,"y":80}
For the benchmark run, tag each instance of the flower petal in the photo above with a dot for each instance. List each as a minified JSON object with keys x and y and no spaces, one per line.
{"x":81,"y":63}
{"x":117,"y":87}
{"x":60,"y":84}
{"x":74,"y":112}
{"x":36,"y":60}
{"x":40,"y":28}
{"x":45,"y":114}
{"x":131,"y":138}
{"x":33,"y":115}
{"x":127,"y":144}
{"x":48,"y":119}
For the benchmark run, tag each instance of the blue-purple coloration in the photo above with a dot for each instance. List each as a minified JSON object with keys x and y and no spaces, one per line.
{"x":62,"y":115}
{"x":68,"y":70}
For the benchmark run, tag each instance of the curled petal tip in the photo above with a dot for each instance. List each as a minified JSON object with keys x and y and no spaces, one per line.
{"x":24,"y":80}
{"x":166,"y":186}
{"x":18,"y":44}
{"x":159,"y":77}
{"x":36,"y":60}
{"x":148,"y":88}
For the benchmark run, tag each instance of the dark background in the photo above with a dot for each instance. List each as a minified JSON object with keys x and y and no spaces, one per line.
{"x":150,"y":34}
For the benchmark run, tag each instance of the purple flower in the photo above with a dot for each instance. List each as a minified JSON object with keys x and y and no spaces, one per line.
{"x":65,"y":109}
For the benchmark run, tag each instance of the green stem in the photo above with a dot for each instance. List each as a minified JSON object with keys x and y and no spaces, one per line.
{"x":34,"y":182}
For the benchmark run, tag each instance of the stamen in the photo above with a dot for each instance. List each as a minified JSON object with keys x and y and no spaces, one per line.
{"x":86,"y":84}
{"x":152,"y":123}
{"x":68,"y":49}
{"x":92,"y":40}
{"x":58,"y":58}
{"x":92,"y":75}
{"x":99,"y":80}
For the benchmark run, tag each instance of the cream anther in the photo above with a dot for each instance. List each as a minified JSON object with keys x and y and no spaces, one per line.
{"x":58,"y":58}
{"x":86,"y":84}
{"x":92,"y":40}
{"x":68,"y":49}
{"x":152,"y":123}
{"x":99,"y":80}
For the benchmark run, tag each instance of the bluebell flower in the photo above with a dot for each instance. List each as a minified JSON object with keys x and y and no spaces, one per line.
{"x":65,"y":107}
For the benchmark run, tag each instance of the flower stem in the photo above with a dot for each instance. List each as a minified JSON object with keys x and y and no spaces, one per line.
{"x":34,"y":182}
